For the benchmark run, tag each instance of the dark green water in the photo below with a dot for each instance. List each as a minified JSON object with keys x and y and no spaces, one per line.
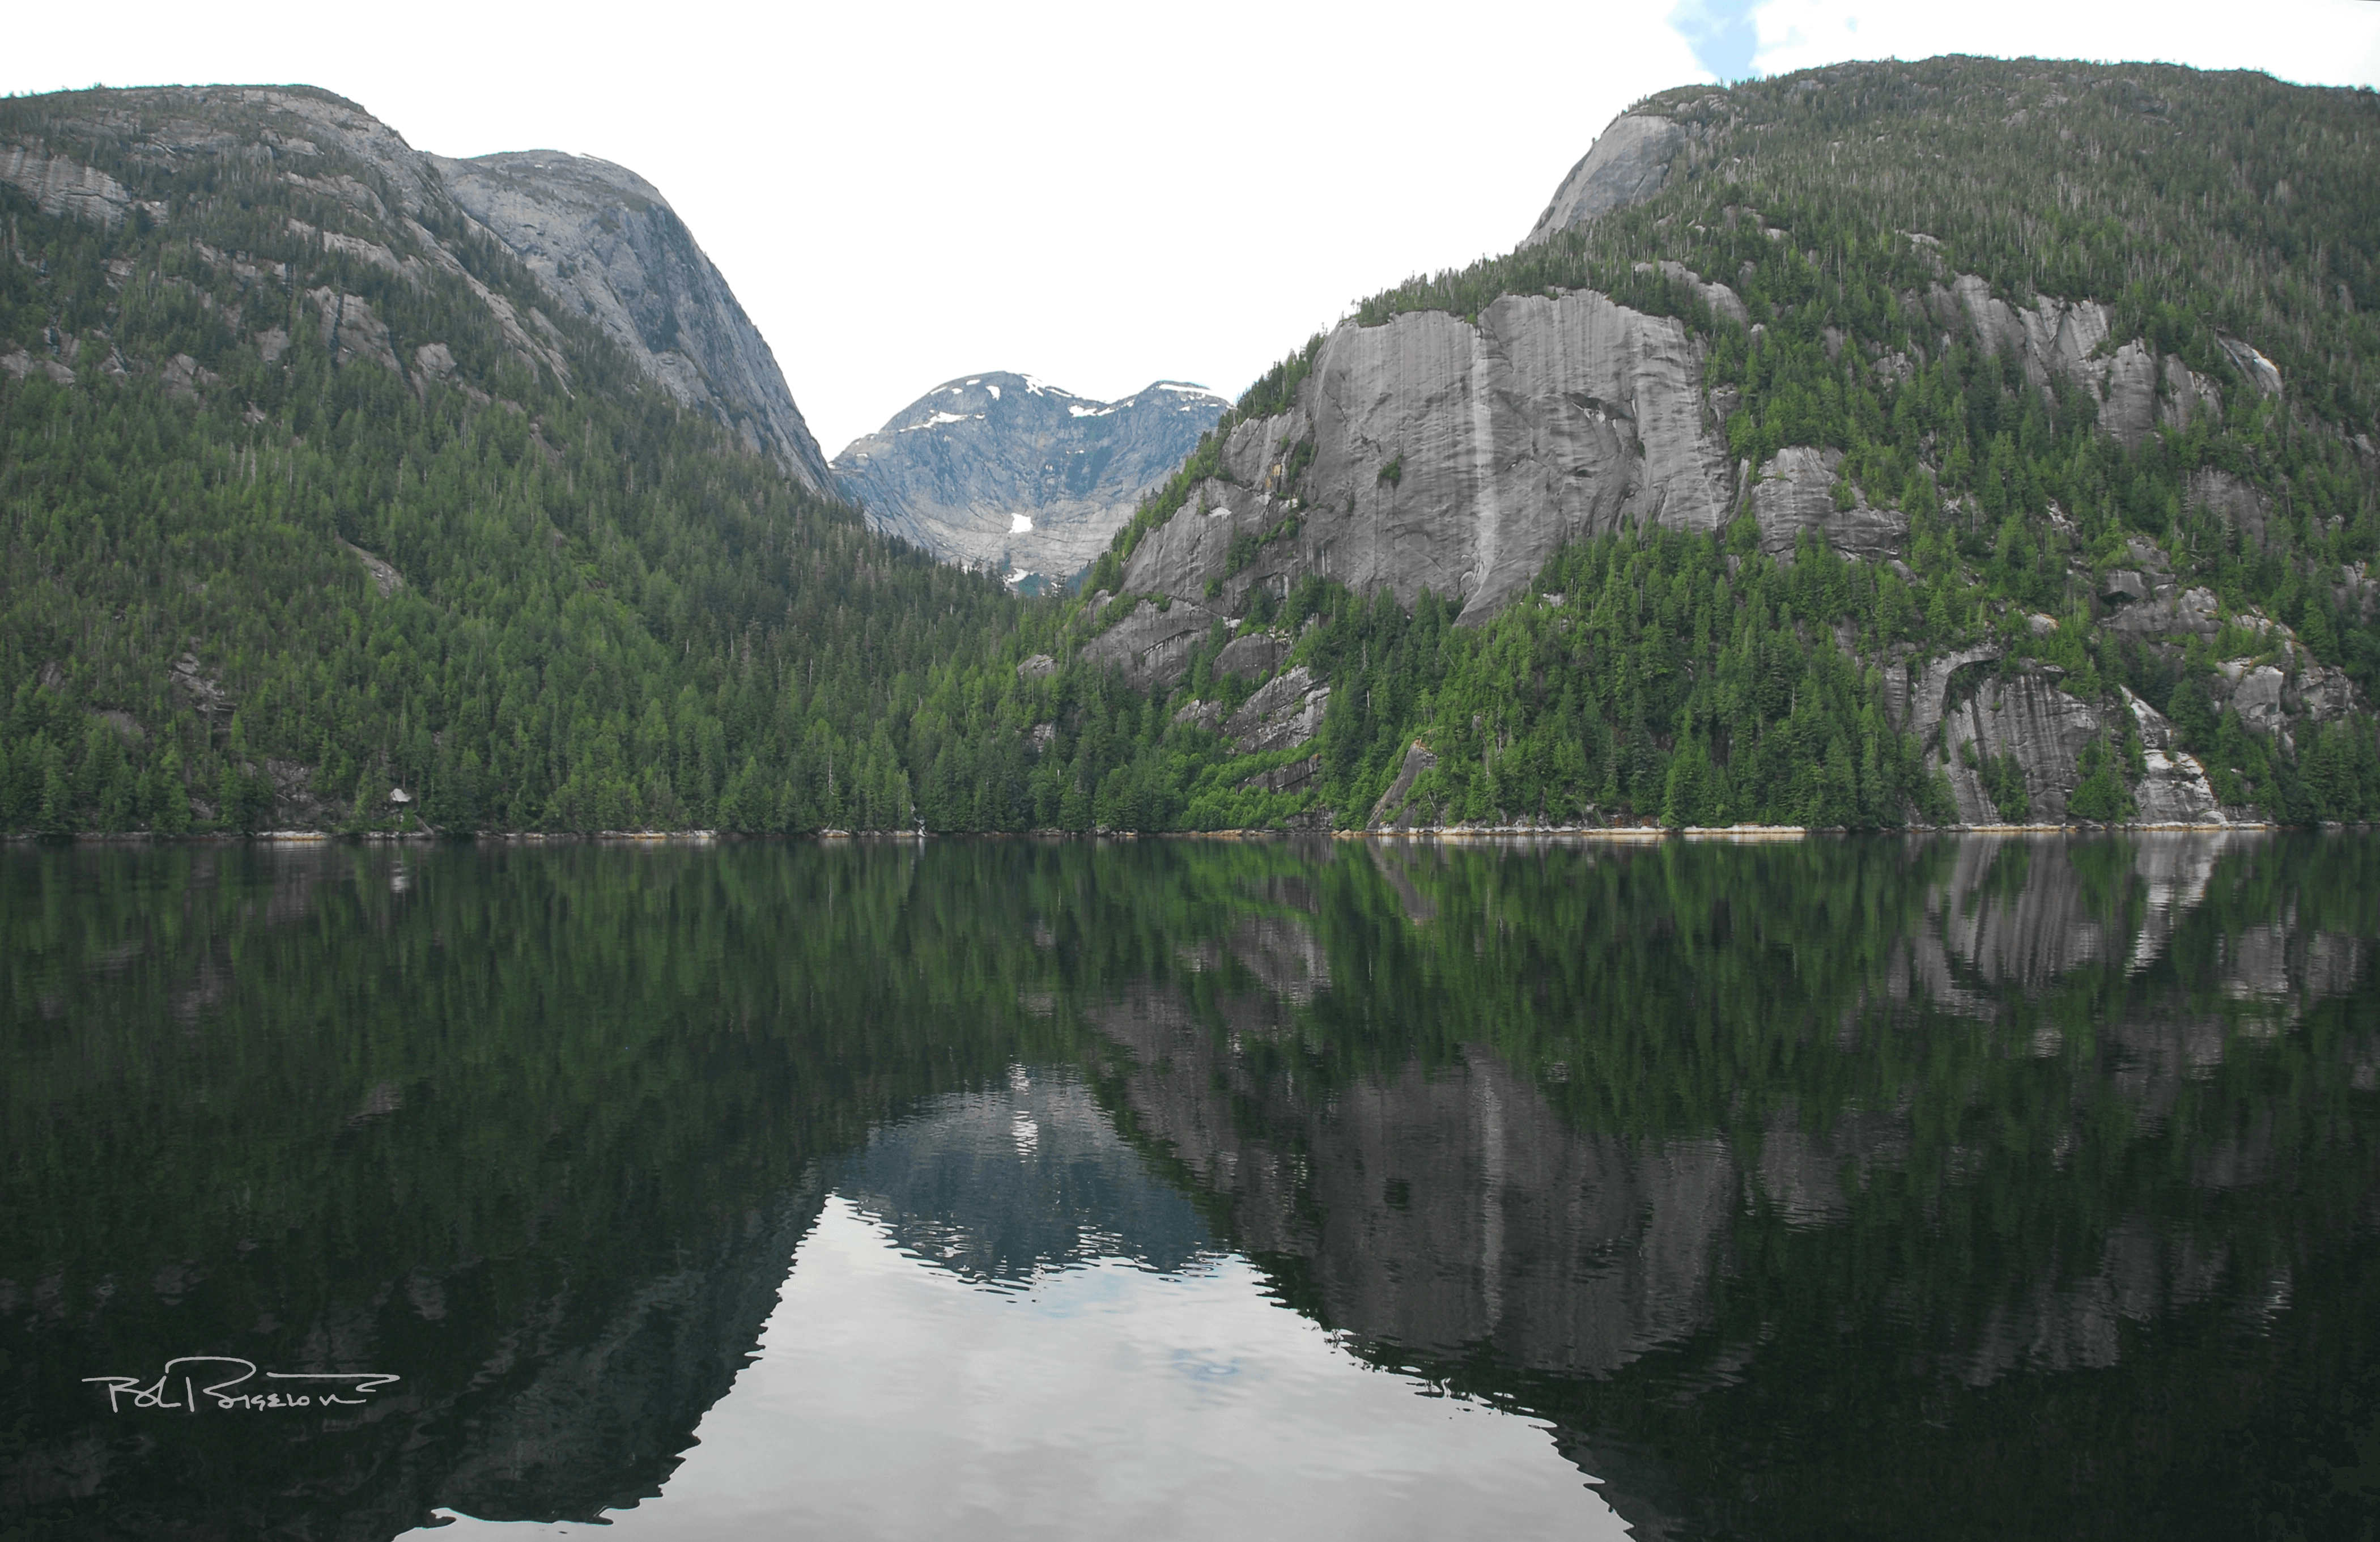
{"x":1839,"y":1189}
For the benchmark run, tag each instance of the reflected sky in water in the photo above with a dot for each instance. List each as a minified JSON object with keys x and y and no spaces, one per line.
{"x":1845,"y":1188}
{"x":1000,"y":1325}
{"x":892,"y":1399}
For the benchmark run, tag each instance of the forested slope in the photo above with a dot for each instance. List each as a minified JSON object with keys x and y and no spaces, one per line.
{"x":305,"y":502}
{"x":1957,"y":442}
{"x":2068,"y":359}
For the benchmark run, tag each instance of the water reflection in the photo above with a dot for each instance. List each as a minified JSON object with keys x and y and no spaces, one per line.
{"x":1013,"y":1184}
{"x":1000,"y":1325}
{"x":1948,"y":1188}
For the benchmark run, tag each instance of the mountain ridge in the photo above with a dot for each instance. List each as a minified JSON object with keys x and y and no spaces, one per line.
{"x":327,"y":514}
{"x":2111,"y":453}
{"x":1005,"y":472}
{"x":1959,"y":442}
{"x":602,"y":238}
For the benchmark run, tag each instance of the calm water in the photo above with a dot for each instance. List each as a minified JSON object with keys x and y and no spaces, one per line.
{"x":1842,"y":1189}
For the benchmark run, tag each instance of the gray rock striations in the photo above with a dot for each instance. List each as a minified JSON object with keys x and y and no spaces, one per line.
{"x":1005,"y":472}
{"x":1444,"y":455}
{"x":1628,"y":164}
{"x":1795,"y":495}
{"x":606,"y":244}
{"x":60,"y":187}
{"x":598,"y":240}
{"x":1432,"y":449}
{"x":1433,"y":452}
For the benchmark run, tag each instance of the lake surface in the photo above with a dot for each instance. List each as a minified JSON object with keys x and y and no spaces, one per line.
{"x":1845,"y":1188}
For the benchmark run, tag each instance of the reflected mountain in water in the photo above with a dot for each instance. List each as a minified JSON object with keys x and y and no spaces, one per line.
{"x":1452,"y":1210}
{"x":1007,"y":1184}
{"x":1848,"y":1187}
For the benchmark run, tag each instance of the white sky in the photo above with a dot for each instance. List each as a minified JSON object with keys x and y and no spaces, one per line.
{"x":1101,"y":195}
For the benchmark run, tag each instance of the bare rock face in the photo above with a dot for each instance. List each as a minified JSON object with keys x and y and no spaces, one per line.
{"x":351,"y":330}
{"x":598,"y":238}
{"x":1152,"y":647}
{"x":2153,"y":604}
{"x":2028,"y":717}
{"x":1795,"y":493}
{"x":1928,"y":698}
{"x":1723,"y":300}
{"x":1253,"y":654}
{"x":1627,"y":163}
{"x":2260,"y":370}
{"x":2176,"y":790}
{"x":64,"y":187}
{"x":22,"y":363}
{"x":1394,"y":811}
{"x":2320,"y":693}
{"x":2242,"y":508}
{"x":604,"y":242}
{"x":2062,"y":340}
{"x":1286,"y":711}
{"x":2256,"y":695}
{"x":1453,"y":457}
{"x":1005,"y":471}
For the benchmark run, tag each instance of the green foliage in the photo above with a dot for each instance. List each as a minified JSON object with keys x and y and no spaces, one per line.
{"x":606,"y":614}
{"x":2101,"y":795}
{"x":1839,"y":203}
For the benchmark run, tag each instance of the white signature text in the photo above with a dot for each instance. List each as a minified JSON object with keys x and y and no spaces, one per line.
{"x":190,"y":1383}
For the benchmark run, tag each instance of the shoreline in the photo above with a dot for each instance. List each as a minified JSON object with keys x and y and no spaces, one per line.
{"x":1617,"y":834}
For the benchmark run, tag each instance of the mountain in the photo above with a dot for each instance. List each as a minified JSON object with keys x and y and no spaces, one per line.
{"x":1005,"y":472}
{"x":330,"y":507}
{"x":2013,"y":410}
{"x":599,"y":240}
{"x":1959,"y":442}
{"x":604,"y":242}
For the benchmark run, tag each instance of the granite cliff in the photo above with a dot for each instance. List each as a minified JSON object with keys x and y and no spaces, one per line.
{"x":600,"y":241}
{"x":606,"y":244}
{"x":1625,"y":371}
{"x":1005,"y":472}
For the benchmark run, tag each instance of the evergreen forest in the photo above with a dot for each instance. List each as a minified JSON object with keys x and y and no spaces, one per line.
{"x":317,"y":517}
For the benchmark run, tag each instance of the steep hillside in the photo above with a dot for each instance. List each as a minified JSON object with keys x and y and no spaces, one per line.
{"x":1958,"y":441}
{"x":311,"y":513}
{"x":1003,"y":472}
{"x":604,"y":242}
{"x":2007,"y":419}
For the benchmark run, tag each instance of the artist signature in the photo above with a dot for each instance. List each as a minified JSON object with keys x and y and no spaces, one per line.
{"x":226,"y":1381}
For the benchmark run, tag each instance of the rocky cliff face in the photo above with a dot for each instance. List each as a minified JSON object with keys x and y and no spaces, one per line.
{"x":1431,"y":449}
{"x":600,"y":241}
{"x":606,"y":244}
{"x":1627,"y":163}
{"x":365,"y":194}
{"x":1431,"y":453}
{"x":1002,"y":471}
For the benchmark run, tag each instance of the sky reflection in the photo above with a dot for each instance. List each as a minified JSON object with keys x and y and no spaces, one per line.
{"x":892,"y":1397}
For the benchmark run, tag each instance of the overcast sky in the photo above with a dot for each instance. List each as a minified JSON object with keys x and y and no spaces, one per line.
{"x":1101,"y":195}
